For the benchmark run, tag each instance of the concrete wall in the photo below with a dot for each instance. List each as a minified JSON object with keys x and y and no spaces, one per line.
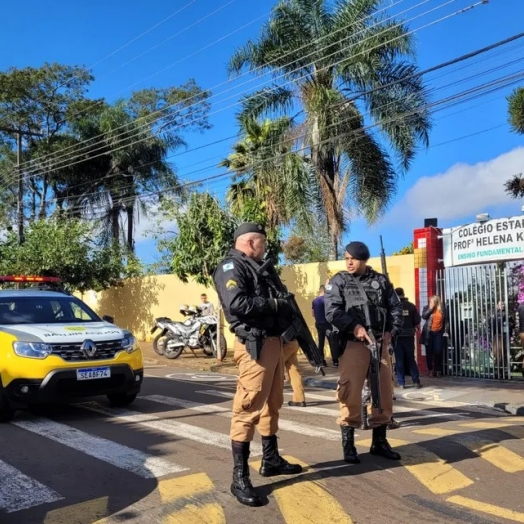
{"x":136,"y":305}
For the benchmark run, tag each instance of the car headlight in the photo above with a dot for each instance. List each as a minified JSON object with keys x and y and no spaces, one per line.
{"x":129,"y":343}
{"x":32,"y":349}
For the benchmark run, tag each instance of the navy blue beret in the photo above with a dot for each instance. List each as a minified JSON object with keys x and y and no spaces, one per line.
{"x":358,"y":250}
{"x":248,"y":227}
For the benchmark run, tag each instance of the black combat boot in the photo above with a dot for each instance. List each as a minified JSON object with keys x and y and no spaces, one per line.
{"x":241,"y":487}
{"x":364,"y":418}
{"x":348,"y":445}
{"x":272,"y":463}
{"x":380,"y":445}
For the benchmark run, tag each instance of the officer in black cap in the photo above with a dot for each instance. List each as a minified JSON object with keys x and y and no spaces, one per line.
{"x":257,"y":317}
{"x":345,"y":299}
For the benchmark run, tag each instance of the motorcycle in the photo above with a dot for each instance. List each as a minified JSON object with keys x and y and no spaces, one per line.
{"x":197,"y":332}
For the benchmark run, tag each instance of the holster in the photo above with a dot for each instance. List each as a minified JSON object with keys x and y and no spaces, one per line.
{"x":337,"y":342}
{"x":252,"y":338}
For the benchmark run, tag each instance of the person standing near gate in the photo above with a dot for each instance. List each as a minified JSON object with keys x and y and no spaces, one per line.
{"x":404,"y":346}
{"x":359,"y":301}
{"x":258,"y":318}
{"x":433,"y":339}
{"x":322,"y":325}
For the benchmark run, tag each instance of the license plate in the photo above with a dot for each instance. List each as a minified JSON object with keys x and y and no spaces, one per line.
{"x":93,"y":373}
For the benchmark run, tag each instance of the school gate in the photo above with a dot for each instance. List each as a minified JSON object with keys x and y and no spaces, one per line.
{"x":477,"y":270}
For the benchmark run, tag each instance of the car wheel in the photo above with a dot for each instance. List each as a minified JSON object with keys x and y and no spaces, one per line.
{"x":121,"y":400}
{"x":6,"y":411}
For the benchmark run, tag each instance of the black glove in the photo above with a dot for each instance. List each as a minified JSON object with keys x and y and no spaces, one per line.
{"x":281,"y":307}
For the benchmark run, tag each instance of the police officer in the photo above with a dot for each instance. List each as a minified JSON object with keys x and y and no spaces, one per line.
{"x":258,"y":318}
{"x":405,"y":342}
{"x":346,"y":295}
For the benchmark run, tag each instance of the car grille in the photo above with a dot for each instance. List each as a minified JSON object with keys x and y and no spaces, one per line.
{"x":71,"y":352}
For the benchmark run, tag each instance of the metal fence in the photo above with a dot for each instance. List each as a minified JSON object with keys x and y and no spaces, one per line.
{"x":480,"y":304}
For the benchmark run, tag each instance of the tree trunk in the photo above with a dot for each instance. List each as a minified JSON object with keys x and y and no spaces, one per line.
{"x":130,"y":223}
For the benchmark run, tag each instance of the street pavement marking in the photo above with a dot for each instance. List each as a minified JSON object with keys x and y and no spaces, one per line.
{"x":484,"y":507}
{"x":306,"y":501}
{"x":397,"y":410}
{"x":194,"y":512}
{"x":18,"y":491}
{"x":142,"y":464}
{"x":497,"y":455}
{"x":428,"y":468}
{"x":295,"y":427}
{"x":211,"y":513}
{"x":503,"y":424}
{"x":171,"y":427}
{"x":437,"y":432}
{"x":84,"y":512}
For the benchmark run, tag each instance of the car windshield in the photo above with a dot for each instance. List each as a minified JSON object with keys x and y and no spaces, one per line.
{"x":44,"y":310}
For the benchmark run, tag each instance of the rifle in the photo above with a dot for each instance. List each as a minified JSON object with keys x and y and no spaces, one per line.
{"x":383,"y":259}
{"x":375,"y":350}
{"x":298,"y":329}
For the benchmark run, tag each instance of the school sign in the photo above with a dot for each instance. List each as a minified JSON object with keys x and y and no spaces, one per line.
{"x":479,"y":243}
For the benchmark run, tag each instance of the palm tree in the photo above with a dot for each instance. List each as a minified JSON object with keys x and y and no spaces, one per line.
{"x":515,"y":185}
{"x":341,"y":67}
{"x":270,"y":179}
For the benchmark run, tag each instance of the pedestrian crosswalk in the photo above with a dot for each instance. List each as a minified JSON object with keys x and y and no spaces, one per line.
{"x":162,"y":438}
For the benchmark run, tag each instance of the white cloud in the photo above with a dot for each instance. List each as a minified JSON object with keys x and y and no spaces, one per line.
{"x":462,"y":191}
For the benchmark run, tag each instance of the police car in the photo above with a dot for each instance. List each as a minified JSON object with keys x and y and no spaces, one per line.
{"x":53,"y":347}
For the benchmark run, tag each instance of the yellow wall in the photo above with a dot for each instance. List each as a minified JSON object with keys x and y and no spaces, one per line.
{"x":136,"y":305}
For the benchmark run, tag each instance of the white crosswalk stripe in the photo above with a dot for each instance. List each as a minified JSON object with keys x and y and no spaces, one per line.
{"x":18,"y":491}
{"x":171,"y":427}
{"x":294,"y":427}
{"x":111,"y":452}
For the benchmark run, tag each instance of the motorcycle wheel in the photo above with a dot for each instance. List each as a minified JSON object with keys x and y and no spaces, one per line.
{"x":223,"y":348}
{"x":158,"y":344}
{"x":172,"y":353}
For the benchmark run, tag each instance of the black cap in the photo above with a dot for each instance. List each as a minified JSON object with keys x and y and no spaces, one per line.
{"x":358,"y":250}
{"x":248,"y":227}
{"x":399,"y":291}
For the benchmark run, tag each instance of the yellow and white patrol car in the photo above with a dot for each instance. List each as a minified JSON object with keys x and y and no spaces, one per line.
{"x":53,"y":347}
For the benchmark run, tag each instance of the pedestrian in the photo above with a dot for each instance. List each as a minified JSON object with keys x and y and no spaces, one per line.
{"x":258,"y":318}
{"x":360,"y":301}
{"x":433,"y":335}
{"x":205,"y":306}
{"x":404,"y":346}
{"x":322,"y":325}
{"x":295,"y":378}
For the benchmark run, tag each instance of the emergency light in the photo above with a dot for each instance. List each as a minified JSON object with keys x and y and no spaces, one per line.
{"x":54,"y":280}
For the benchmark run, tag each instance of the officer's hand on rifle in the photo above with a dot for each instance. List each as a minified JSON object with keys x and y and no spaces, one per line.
{"x":361,"y":334}
{"x":283,"y":307}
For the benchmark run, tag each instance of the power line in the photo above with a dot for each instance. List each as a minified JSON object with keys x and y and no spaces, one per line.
{"x":58,"y":161}
{"x":258,"y":68}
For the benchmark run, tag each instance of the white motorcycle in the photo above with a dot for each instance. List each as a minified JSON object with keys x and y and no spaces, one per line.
{"x":197,"y":332}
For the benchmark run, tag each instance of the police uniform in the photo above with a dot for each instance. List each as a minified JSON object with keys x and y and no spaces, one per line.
{"x":405,"y":342}
{"x":344,"y":309}
{"x":295,"y":378}
{"x":258,"y":318}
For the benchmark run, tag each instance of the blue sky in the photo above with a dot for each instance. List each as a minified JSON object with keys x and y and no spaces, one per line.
{"x":135,"y":44}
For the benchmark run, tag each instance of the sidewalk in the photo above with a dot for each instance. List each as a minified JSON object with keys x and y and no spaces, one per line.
{"x":451,"y":391}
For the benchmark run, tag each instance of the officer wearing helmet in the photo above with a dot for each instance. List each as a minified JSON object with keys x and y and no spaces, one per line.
{"x":347,"y":295}
{"x":258,"y":317}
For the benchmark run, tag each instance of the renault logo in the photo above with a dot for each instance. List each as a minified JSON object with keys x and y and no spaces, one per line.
{"x":88,"y":348}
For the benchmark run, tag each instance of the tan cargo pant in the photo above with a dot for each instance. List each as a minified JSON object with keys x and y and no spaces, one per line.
{"x":260,"y":390}
{"x":291,"y":365}
{"x":354,"y":367}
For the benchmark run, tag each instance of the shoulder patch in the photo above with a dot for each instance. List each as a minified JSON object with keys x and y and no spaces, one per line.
{"x":228,"y":267}
{"x":329,"y":287}
{"x":231,"y":284}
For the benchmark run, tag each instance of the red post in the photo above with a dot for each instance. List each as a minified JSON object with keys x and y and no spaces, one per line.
{"x":428,"y":254}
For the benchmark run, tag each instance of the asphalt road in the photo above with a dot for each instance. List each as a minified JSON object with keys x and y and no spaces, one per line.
{"x":166,"y":459}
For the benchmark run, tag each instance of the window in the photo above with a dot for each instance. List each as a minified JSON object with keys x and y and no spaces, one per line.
{"x":44,"y":310}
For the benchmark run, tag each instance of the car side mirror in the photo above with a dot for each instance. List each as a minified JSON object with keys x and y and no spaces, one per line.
{"x":108,"y":318}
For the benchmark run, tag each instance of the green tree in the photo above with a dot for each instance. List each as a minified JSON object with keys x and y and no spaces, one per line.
{"x":307,"y":244}
{"x":66,"y":249}
{"x":406,"y":250}
{"x":204,"y":236}
{"x":515,"y":185}
{"x":333,"y":63}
